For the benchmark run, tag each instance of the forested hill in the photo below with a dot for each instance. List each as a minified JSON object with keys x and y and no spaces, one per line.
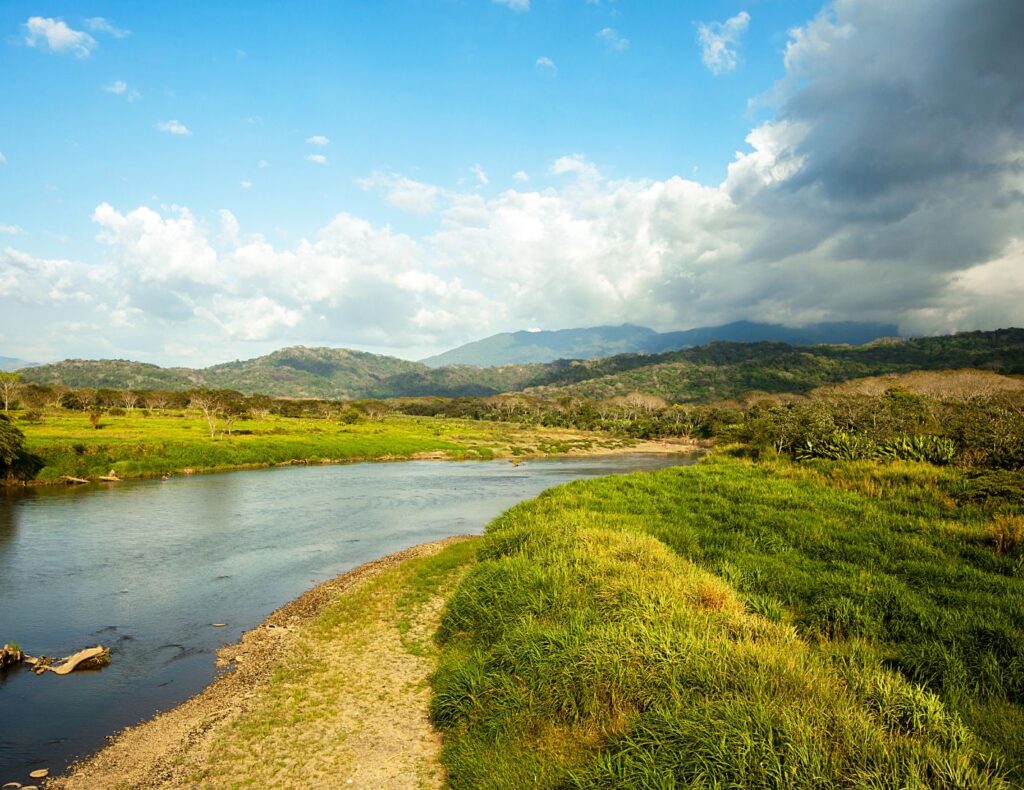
{"x":295,"y":372}
{"x":710,"y":372}
{"x":726,"y":370}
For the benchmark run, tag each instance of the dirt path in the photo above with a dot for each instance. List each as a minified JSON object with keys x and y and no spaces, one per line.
{"x":330,"y":691}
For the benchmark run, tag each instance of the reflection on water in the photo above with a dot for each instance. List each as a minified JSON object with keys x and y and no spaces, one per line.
{"x":144,"y":568}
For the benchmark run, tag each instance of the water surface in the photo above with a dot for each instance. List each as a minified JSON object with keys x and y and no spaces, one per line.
{"x":146,"y":567}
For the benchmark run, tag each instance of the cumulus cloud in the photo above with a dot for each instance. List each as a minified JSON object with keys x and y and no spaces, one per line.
{"x":317,"y":139}
{"x":174,"y":127}
{"x":403,"y":193}
{"x":54,"y":35}
{"x":575,"y":164}
{"x":121,"y":88}
{"x":888,"y":185}
{"x":720,"y":41}
{"x":613,"y":42}
{"x":520,"y":177}
{"x":316,"y":159}
{"x":481,"y":175}
{"x":98,"y":24}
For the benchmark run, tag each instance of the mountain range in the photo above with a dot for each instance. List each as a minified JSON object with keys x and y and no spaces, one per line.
{"x":519,"y":348}
{"x":714,"y":371}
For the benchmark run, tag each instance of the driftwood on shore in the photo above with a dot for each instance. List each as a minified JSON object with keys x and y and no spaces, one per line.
{"x":90,"y":658}
{"x":70,"y":479}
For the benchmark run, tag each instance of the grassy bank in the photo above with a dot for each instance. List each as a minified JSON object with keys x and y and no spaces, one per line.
{"x":733,"y":625}
{"x":164,"y":442}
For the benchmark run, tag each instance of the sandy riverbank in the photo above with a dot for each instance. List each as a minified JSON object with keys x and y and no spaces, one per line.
{"x":366,"y":686}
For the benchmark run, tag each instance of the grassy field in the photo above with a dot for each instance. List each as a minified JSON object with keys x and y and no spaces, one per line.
{"x":738,"y":625}
{"x":144,"y":445}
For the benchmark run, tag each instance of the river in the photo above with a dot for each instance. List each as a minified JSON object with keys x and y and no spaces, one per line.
{"x":147,"y":567}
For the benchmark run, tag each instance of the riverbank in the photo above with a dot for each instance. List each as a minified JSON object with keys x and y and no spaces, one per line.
{"x":330,"y":690}
{"x":136,"y":446}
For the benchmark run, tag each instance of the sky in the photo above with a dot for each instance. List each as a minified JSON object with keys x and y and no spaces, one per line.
{"x":190,"y":183}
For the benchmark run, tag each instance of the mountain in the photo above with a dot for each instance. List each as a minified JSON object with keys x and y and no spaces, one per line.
{"x":605,"y":341}
{"x":511,"y":348}
{"x":10,"y":363}
{"x":710,"y":372}
{"x":296,"y":372}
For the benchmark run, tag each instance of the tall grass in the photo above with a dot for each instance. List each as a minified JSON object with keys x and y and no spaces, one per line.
{"x":731,"y":625}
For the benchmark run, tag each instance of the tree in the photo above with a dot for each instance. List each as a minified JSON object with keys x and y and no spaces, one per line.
{"x":12,"y":444}
{"x":210,"y":404}
{"x":10,"y":386}
{"x":129,"y":399}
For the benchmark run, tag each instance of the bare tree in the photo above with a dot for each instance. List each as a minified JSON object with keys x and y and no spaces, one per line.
{"x":157,"y":400}
{"x":210,"y":404}
{"x":129,"y":399}
{"x":10,"y":386}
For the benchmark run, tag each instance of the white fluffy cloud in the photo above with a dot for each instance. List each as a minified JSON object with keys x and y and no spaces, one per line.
{"x":403,"y":193}
{"x":174,"y":127}
{"x":317,"y":139}
{"x":719,"y":42}
{"x":613,"y":42}
{"x":913,"y":217}
{"x":55,"y":35}
{"x":316,"y":159}
{"x":121,"y":88}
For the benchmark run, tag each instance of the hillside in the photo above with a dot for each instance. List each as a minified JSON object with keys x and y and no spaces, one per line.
{"x":700,"y":374}
{"x":605,"y":341}
{"x":727,"y":370}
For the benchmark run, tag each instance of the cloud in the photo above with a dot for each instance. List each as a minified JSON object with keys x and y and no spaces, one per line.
{"x":317,"y":139}
{"x":98,"y":24}
{"x":520,"y":177}
{"x":316,"y":159}
{"x":575,"y":164}
{"x":12,"y":230}
{"x":174,"y":127}
{"x":403,"y":193}
{"x":245,"y":184}
{"x":263,"y":164}
{"x":888,"y":185}
{"x":55,"y":36}
{"x":121,"y":88}
{"x":547,"y":65}
{"x":481,"y":175}
{"x":3,"y":159}
{"x":720,"y":41}
{"x":612,"y":41}
{"x":515,"y":5}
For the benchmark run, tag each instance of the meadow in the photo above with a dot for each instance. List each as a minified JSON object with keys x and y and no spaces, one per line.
{"x":153,"y":443}
{"x":732,"y":624}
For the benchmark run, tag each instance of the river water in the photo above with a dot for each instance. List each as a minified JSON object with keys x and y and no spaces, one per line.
{"x":146,"y":567}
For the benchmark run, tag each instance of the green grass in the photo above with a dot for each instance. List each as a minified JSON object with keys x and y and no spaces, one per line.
{"x":139,"y":445}
{"x":732,"y":625}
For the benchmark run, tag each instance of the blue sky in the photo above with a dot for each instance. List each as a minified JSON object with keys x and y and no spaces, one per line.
{"x":425,"y":126}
